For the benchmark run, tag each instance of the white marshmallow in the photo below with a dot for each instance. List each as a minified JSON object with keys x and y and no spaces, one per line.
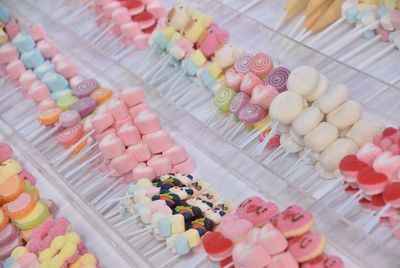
{"x":289,"y":145}
{"x":345,"y":115}
{"x":364,"y":130}
{"x":321,"y":137}
{"x":331,"y":157}
{"x":283,"y":128}
{"x":299,"y":140}
{"x":303,"y":80}
{"x":307,"y":120}
{"x":322,"y":87}
{"x":332,"y":99}
{"x":286,"y":106}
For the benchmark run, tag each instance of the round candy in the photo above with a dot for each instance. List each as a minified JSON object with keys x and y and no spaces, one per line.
{"x":5,"y":151}
{"x":278,"y":78}
{"x":66,"y":102}
{"x":85,"y":88}
{"x":50,"y":116}
{"x":84,"y":106}
{"x":303,"y":80}
{"x":238,"y":102}
{"x":101,"y":95}
{"x":251,"y":114}
{"x":261,"y":64}
{"x":70,"y":136}
{"x":242,"y":65}
{"x":223,"y":98}
{"x":69,"y":118}
{"x":286,"y":106}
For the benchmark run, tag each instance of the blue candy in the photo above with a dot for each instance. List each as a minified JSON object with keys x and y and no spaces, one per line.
{"x":160,"y":41}
{"x":181,"y":245}
{"x":32,"y":58}
{"x":56,"y":95}
{"x":351,"y":14}
{"x":5,"y":15}
{"x":46,"y":67}
{"x":369,"y":34}
{"x":164,"y":227}
{"x":23,"y":42}
{"x":55,"y":81}
{"x":189,"y":67}
{"x":383,"y":11}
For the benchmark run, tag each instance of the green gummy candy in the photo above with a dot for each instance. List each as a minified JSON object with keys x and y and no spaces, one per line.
{"x":223,"y":98}
{"x":66,"y":102}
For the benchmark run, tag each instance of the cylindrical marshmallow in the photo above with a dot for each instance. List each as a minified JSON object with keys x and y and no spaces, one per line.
{"x":332,"y":99}
{"x":345,"y":115}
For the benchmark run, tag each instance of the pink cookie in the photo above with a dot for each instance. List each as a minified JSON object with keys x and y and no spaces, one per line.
{"x":368,"y":152}
{"x":111,"y":147}
{"x":147,"y":122}
{"x":8,"y":53}
{"x":66,"y":69}
{"x":294,"y":221}
{"x":263,"y":95}
{"x":130,"y":30}
{"x":158,"y":141}
{"x":15,"y":69}
{"x":135,"y":110}
{"x":272,"y":240}
{"x":39,"y":91}
{"x":129,"y":134}
{"x":102,"y":121}
{"x":257,"y":210}
{"x":249,"y":81}
{"x":161,"y":165}
{"x":27,"y":176}
{"x":123,"y":163}
{"x":233,"y":79}
{"x":42,"y":236}
{"x":121,"y":15}
{"x":118,"y":109}
{"x":284,"y":260}
{"x":27,"y":79}
{"x":133,"y":96}
{"x":214,"y":38}
{"x":388,"y":164}
{"x":47,"y":49}
{"x":234,"y":228}
{"x":324,"y":261}
{"x":176,"y":154}
{"x":143,"y":171}
{"x":37,"y":32}
{"x":307,"y":247}
{"x":46,"y":104}
{"x":249,"y":255}
{"x":5,"y":152}
{"x":185,"y":167}
{"x":141,"y":151}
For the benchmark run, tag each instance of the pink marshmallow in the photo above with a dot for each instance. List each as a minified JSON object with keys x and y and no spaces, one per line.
{"x":110,"y":7}
{"x":57,"y":58}
{"x":39,"y":91}
{"x":133,"y":96}
{"x":160,"y":164}
{"x":156,"y":9}
{"x":147,"y":122}
{"x":185,"y":167}
{"x":108,"y":132}
{"x":130,"y":29}
{"x":8,"y":53}
{"x":27,"y":79}
{"x":47,"y":49}
{"x":249,"y":81}
{"x":102,"y":121}
{"x":158,"y":141}
{"x":111,"y":147}
{"x":12,"y":28}
{"x":141,"y":41}
{"x":388,"y":164}
{"x":129,"y":134}
{"x":140,"y":150}
{"x":121,"y":15}
{"x":143,"y":171}
{"x":37,"y":32}
{"x":123,"y":163}
{"x":74,"y":81}
{"x":66,"y":69}
{"x":176,"y":154}
{"x":102,"y":2}
{"x":135,"y":110}
{"x":263,"y":95}
{"x":368,"y":152}
{"x":15,"y":69}
{"x":385,"y":144}
{"x":46,"y":104}
{"x":121,"y":122}
{"x":118,"y":109}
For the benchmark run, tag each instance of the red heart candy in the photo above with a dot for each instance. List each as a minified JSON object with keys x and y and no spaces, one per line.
{"x":391,"y":193}
{"x":389,"y":131}
{"x":150,"y":29}
{"x":365,"y":203}
{"x":217,"y":246}
{"x":351,"y":163}
{"x":144,"y":16}
{"x":368,"y":176}
{"x":324,"y":261}
{"x":132,"y":4}
{"x":377,"y":201}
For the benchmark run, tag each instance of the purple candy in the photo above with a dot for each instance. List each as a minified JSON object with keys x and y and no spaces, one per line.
{"x":69,"y":118}
{"x":278,"y":78}
{"x":85,"y":88}
{"x":251,"y":114}
{"x":237,"y":103}
{"x":84,"y":106}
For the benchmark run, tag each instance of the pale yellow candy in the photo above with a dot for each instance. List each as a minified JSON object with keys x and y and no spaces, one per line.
{"x":177,"y":224}
{"x":168,"y":32}
{"x":73,"y":237}
{"x":263,"y":123}
{"x":391,"y":4}
{"x":8,"y":168}
{"x":214,"y":69}
{"x":175,"y":37}
{"x":18,"y":252}
{"x":198,"y":58}
{"x":88,"y":261}
{"x":197,"y":25}
{"x":192,"y":237}
{"x":366,"y":7}
{"x":143,"y":182}
{"x":3,"y":37}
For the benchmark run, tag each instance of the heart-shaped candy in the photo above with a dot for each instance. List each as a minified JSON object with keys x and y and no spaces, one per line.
{"x":249,"y":82}
{"x":391,"y":194}
{"x":388,"y":164}
{"x":269,"y":238}
{"x":234,"y":228}
{"x":368,"y":152}
{"x":233,"y":79}
{"x":307,"y":246}
{"x":371,"y":182}
{"x":294,"y":221}
{"x":349,"y":167}
{"x":256,"y":210}
{"x":324,"y":261}
{"x":217,"y":246}
{"x":263,"y":95}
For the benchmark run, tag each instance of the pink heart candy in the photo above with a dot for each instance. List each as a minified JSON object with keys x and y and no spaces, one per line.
{"x":39,"y":91}
{"x":160,"y":164}
{"x":249,"y":82}
{"x":5,"y":152}
{"x":263,"y":95}
{"x":257,"y":210}
{"x":234,"y":228}
{"x":233,"y":79}
{"x":143,"y":171}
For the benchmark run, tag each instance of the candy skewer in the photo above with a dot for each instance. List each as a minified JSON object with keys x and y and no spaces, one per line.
{"x":327,"y":31}
{"x":103,"y":33}
{"x":119,"y":55}
{"x":155,"y":249}
{"x":140,"y":231}
{"x":274,"y":155}
{"x":126,"y":220}
{"x":46,"y":135}
{"x":296,"y":165}
{"x":341,"y":209}
{"x":76,"y":13}
{"x":373,"y":220}
{"x":82,"y":165}
{"x":78,"y":157}
{"x":170,"y":261}
{"x":109,"y":189}
{"x":10,"y":93}
{"x":375,"y":57}
{"x":358,"y":49}
{"x":261,"y":147}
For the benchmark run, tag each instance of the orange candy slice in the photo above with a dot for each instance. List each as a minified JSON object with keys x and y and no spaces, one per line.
{"x":51,"y":116}
{"x":101,"y":95}
{"x":3,"y":219}
{"x":11,"y":188}
{"x":21,"y":206}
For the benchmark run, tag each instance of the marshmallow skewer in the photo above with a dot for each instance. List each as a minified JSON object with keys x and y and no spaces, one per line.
{"x":360,"y":48}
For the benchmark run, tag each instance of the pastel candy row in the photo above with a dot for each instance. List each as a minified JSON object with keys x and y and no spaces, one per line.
{"x":133,"y":20}
{"x":9,"y":26}
{"x":132,"y":141}
{"x":265,"y":237}
{"x":318,"y":121}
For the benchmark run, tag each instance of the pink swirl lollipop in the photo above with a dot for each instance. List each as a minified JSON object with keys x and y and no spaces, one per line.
{"x":69,"y":118}
{"x":242,"y":65}
{"x":251,"y":114}
{"x":261,"y":64}
{"x":278,"y":78}
{"x":84,"y":106}
{"x":85,"y":88}
{"x":238,"y":102}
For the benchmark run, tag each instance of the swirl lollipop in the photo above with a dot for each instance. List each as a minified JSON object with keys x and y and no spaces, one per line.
{"x":278,"y":78}
{"x":242,"y":65}
{"x":238,"y":102}
{"x":261,"y":64}
{"x":251,"y":114}
{"x":70,"y":136}
{"x":223,"y":98}
{"x":84,"y":106}
{"x":85,"y":88}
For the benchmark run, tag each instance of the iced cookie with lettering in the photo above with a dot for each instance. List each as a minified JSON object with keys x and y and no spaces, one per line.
{"x":307,"y":246}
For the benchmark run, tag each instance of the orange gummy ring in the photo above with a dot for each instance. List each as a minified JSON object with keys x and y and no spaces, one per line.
{"x":101,"y":95}
{"x":51,"y":116}
{"x":11,"y":188}
{"x":3,"y":219}
{"x":21,"y":212}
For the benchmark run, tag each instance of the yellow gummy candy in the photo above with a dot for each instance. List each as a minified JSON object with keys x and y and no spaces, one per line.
{"x":263,"y":123}
{"x":192,"y":237}
{"x":143,"y":182}
{"x":214,"y":69}
{"x":8,"y":168}
{"x":73,"y":237}
{"x":88,"y":261}
{"x":198,"y":57}
{"x":18,"y":252}
{"x":197,"y":25}
{"x":168,"y":32}
{"x":365,"y":7}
